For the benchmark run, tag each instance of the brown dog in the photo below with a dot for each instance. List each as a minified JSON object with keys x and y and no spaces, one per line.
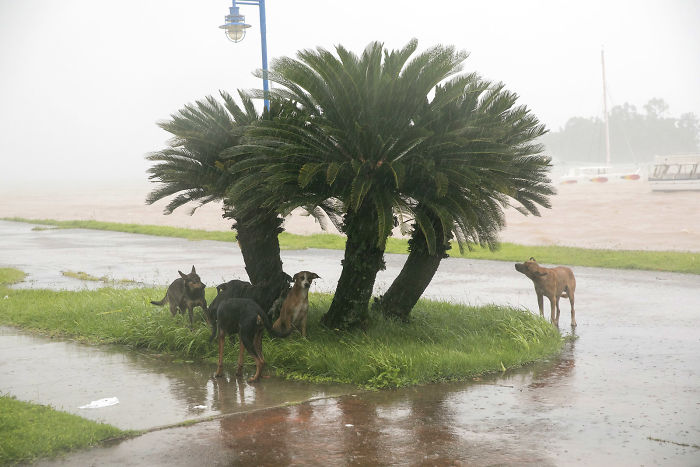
{"x":296,"y":305}
{"x":185,"y":293}
{"x":552,"y":283}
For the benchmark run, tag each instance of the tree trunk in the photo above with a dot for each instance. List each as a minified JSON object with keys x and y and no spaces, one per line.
{"x":416,"y":274}
{"x":362,"y":261}
{"x":257,"y":235}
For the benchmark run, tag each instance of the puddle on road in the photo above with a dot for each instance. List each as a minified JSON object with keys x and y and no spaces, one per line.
{"x":558,"y":412}
{"x":152,"y":390}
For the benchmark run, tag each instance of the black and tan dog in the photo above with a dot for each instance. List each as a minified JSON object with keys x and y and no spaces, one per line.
{"x":552,"y":283}
{"x":185,"y":293}
{"x":242,"y":316}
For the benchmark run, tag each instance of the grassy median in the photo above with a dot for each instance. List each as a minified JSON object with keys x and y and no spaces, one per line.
{"x":444,"y":342}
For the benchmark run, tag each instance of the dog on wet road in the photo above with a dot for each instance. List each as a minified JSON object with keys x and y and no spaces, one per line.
{"x":552,"y":283}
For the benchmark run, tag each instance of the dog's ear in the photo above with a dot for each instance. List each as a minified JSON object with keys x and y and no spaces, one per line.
{"x":296,"y":276}
{"x":192,"y":271}
{"x":314,"y":276}
{"x":182,"y":274}
{"x":532,"y":259}
{"x":541,"y":274}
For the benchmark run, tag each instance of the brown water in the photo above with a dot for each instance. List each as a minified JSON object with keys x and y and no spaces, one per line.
{"x":623,"y":215}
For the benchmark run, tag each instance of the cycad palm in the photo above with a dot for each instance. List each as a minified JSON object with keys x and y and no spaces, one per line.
{"x":348,"y":146}
{"x":192,"y":169}
{"x":481,"y":157}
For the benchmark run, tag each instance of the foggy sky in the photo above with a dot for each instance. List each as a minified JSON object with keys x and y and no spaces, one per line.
{"x":83,"y":82}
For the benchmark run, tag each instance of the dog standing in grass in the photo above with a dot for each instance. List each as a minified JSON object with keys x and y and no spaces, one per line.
{"x":185,"y":293}
{"x":296,"y":305}
{"x":552,"y":283}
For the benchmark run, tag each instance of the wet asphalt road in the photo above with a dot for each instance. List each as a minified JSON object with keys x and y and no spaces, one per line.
{"x":626,"y":392}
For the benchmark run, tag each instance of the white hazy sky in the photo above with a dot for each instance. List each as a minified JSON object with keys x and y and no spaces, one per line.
{"x":83,"y":82}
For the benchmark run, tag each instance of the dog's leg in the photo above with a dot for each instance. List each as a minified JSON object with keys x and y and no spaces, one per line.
{"x":573,"y":313}
{"x":540,"y":303}
{"x":303,"y":327}
{"x":558,"y":310}
{"x":258,"y":369}
{"x":553,"y":312}
{"x":241,"y":350}
{"x":190,"y":310}
{"x":220,"y":366}
{"x":248,"y":341}
{"x":258,"y":344}
{"x":173,"y":308}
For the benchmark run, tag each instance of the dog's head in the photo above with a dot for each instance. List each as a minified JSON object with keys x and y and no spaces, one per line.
{"x":304,"y":278}
{"x":193,"y":283}
{"x":530,"y":268}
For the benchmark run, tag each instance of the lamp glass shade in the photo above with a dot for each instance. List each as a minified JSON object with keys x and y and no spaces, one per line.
{"x":235,"y":31}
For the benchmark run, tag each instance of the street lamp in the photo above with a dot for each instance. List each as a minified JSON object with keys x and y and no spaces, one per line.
{"x":235,"y":28}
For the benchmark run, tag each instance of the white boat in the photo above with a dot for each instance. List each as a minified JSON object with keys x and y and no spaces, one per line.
{"x":675,"y":173}
{"x":600,"y":174}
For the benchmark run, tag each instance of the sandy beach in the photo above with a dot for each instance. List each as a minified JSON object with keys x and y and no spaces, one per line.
{"x":622,"y":215}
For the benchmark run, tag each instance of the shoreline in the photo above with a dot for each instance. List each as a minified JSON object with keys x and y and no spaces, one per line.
{"x":613,"y":216}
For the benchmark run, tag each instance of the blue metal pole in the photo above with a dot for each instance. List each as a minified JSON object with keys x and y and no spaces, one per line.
{"x":263,"y":42}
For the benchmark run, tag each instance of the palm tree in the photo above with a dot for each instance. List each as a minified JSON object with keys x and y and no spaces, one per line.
{"x":192,"y":170}
{"x":480,"y":158}
{"x":345,"y":148}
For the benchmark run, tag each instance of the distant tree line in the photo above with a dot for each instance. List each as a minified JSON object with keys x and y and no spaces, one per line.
{"x":634,"y":136}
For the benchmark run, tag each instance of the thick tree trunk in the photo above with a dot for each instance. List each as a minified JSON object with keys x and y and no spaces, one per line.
{"x":416,"y":274}
{"x":257,"y":235}
{"x":362,"y":261}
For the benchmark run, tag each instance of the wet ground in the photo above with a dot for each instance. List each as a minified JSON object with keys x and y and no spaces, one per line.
{"x":625,"y":392}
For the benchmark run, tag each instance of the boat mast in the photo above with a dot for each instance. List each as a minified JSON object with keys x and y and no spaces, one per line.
{"x":605,"y":112}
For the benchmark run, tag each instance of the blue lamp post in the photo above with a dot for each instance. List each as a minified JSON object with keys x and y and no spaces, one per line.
{"x":235,"y":28}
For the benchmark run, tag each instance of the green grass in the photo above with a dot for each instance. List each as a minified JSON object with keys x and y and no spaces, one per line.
{"x":9,"y":276}
{"x":671,"y":261}
{"x":84,"y":276}
{"x":30,"y":431}
{"x":444,"y":342}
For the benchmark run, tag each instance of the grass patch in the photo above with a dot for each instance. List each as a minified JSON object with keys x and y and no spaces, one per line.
{"x":670,"y":261}
{"x":9,"y":276}
{"x":84,"y":276}
{"x":444,"y":342}
{"x":30,"y":431}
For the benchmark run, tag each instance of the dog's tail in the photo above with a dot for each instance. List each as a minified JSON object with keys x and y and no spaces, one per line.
{"x":214,"y":331}
{"x":270,"y":328}
{"x":214,"y":321}
{"x":162,"y":302}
